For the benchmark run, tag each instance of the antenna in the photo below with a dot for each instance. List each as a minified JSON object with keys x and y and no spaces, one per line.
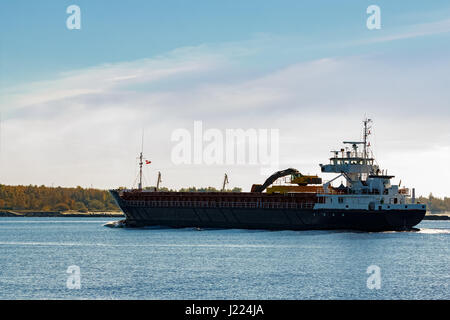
{"x":142,"y":145}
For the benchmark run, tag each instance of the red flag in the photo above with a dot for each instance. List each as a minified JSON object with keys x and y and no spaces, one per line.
{"x":147,"y":162}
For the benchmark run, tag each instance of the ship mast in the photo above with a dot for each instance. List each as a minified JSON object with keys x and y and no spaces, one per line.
{"x":140,"y":172}
{"x":366,"y":134}
{"x":225,"y":182}
{"x":141,"y":162}
{"x":158,"y":181}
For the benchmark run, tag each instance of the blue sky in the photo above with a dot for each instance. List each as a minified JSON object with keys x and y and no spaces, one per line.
{"x":71,"y":98}
{"x":35,"y":42}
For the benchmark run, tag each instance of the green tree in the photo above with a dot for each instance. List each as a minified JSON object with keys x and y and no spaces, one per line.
{"x":79,"y":206}
{"x":96,"y":205}
{"x":61,"y":207}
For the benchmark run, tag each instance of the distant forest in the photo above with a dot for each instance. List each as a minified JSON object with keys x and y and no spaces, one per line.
{"x":44,"y":198}
{"x":194,"y":189}
{"x":436,"y":205}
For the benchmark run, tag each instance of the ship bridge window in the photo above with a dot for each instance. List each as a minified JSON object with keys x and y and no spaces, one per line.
{"x":341,"y":200}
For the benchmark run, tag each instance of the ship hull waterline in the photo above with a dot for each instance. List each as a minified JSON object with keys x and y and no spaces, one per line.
{"x":270,"y":219}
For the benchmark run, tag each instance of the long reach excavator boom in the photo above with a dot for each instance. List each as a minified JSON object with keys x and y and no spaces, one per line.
{"x":272,"y":178}
{"x":296,"y":178}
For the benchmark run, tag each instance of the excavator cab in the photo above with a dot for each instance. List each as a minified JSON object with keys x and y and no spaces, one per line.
{"x":301,"y":180}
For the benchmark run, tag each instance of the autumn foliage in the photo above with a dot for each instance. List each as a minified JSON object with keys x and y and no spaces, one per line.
{"x":58,"y":199}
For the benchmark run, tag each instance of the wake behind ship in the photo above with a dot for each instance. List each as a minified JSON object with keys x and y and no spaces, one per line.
{"x":367,"y":202}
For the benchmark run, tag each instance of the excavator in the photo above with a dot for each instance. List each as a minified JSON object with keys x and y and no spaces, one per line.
{"x":302,"y":183}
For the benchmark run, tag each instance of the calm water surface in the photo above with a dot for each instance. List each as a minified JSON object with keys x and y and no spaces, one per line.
{"x":161,"y":263}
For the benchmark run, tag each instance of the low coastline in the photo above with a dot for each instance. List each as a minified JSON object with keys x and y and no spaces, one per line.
{"x":65,"y":214}
{"x":119,"y":214}
{"x":436,"y":217}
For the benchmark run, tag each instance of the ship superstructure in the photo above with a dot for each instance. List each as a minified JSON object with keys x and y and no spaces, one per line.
{"x":367,"y":187}
{"x":367,"y":201}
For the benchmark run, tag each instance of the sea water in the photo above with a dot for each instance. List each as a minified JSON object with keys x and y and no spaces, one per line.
{"x":80,"y":258}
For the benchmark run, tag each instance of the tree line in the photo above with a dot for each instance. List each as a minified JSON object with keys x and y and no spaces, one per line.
{"x":203,"y":189}
{"x":436,"y":205}
{"x":42,"y":198}
{"x":80,"y":199}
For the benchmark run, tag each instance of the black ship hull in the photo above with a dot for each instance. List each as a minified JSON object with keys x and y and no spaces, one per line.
{"x":270,"y":219}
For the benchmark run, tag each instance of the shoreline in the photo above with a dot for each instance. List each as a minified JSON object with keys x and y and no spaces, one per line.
{"x":119,"y":214}
{"x":59,"y":214}
{"x":436,"y":217}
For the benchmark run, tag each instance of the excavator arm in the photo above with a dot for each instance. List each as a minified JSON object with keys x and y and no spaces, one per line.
{"x":261,"y":187}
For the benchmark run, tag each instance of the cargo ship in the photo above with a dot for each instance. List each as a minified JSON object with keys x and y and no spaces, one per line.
{"x":367,"y":202}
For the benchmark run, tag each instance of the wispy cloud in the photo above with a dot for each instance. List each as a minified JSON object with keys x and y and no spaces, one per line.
{"x":104,"y":79}
{"x":414,"y":31}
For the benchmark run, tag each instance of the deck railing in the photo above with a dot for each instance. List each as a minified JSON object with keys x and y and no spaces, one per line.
{"x":217,"y":204}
